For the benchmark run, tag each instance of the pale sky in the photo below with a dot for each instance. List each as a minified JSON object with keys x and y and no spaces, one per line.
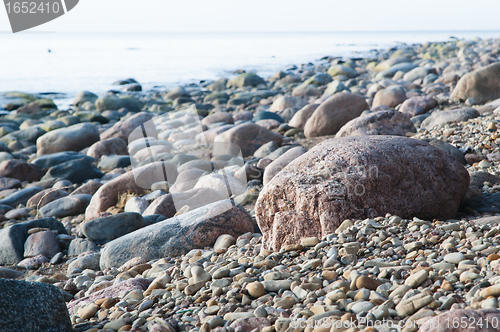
{"x":273,"y":15}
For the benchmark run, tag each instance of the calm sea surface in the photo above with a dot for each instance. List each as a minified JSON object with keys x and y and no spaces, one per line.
{"x":92,"y":61}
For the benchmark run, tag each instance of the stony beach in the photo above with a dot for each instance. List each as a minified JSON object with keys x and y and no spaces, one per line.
{"x":348,"y":194}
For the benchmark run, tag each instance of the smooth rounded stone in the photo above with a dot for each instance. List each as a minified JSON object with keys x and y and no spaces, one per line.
{"x":78,"y":246}
{"x":5,"y":156}
{"x":333,"y":88}
{"x":33,"y":263}
{"x":490,"y":303}
{"x":361,"y":306}
{"x":123,"y":129}
{"x":250,"y":324}
{"x":208,"y":136}
{"x":87,"y":260}
{"x":391,"y":96}
{"x":136,"y":204}
{"x":198,"y":228}
{"x":269,"y":124}
{"x":226,"y":185}
{"x":20,"y":170}
{"x":72,"y":138}
{"x":277,"y":165}
{"x":114,"y":162}
{"x":300,"y":118}
{"x":21,"y":196}
{"x":186,"y":180}
{"x":168,"y":205}
{"x":310,"y":241}
{"x":454,"y":151}
{"x":12,"y":238}
{"x":245,"y":79}
{"x":42,"y":243}
{"x":76,"y":171}
{"x":255,"y":289}
{"x":343,"y":70}
{"x":283,"y":102}
{"x":476,"y":321}
{"x":418,"y":105}
{"x":18,"y":213}
{"x":114,"y":103}
{"x":416,"y":73}
{"x":9,"y":183}
{"x":454,"y":258}
{"x":7,"y":273}
{"x":67,"y":206}
{"x":481,"y":84}
{"x":276,"y":285}
{"x":88,"y":311}
{"x":29,"y":135}
{"x":102,"y":230}
{"x":398,"y":67}
{"x":205,"y":165}
{"x":88,"y":188}
{"x":417,"y":278}
{"x":224,"y":241}
{"x":490,"y":291}
{"x":135,"y":182}
{"x":44,"y":197}
{"x":246,"y":137}
{"x":367,"y":282}
{"x":266,"y":149}
{"x":54,"y":159}
{"x":334,"y":113}
{"x":112,"y":146}
{"x":84,"y":96}
{"x":33,"y":306}
{"x":468,"y":276}
{"x":217,"y":117}
{"x":452,"y":116}
{"x":368,"y":176}
{"x":378,"y":123}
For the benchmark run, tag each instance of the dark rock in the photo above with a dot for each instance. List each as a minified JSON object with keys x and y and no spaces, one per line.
{"x":12,"y":238}
{"x":102,"y":230}
{"x":453,"y":150}
{"x":485,"y":203}
{"x":265,"y":115}
{"x":114,"y":162}
{"x":76,"y":171}
{"x":20,"y":197}
{"x":34,"y":307}
{"x":9,"y":183}
{"x":54,"y":159}
{"x":124,"y":128}
{"x":67,"y":206}
{"x":21,"y":170}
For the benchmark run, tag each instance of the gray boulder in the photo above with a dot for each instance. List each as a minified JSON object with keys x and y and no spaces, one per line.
{"x":176,"y":236}
{"x":102,"y":230}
